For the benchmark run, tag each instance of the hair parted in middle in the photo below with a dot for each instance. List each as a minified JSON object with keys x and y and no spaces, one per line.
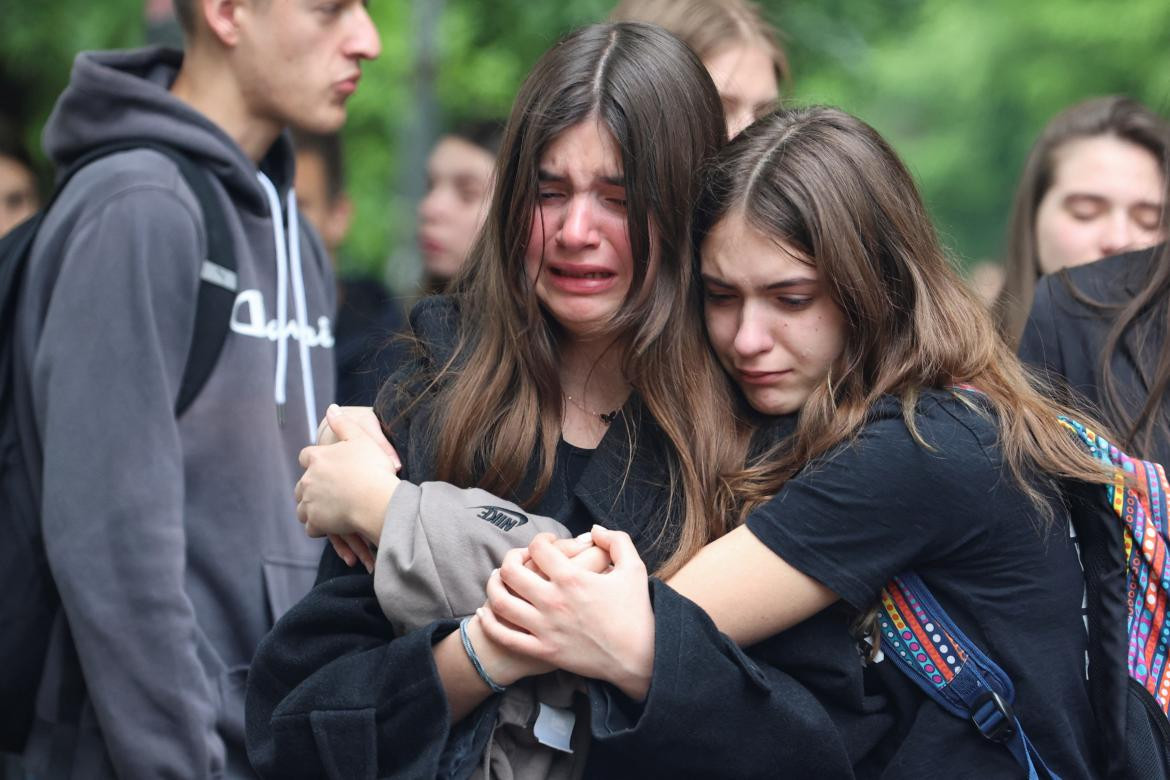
{"x":830,"y":187}
{"x":500,"y":398}
{"x":710,"y":26}
{"x":1114,"y":116}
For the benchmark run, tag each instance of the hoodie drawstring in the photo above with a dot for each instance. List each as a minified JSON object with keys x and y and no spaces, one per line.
{"x":284,"y":248}
{"x":298,"y":280}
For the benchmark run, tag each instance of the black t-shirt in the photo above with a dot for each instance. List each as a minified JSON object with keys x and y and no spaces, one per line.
{"x":560,"y":501}
{"x":883,"y":504}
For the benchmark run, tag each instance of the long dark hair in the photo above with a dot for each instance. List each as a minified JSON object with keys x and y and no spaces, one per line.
{"x":1116,"y":116}
{"x":1142,"y":321}
{"x":827,"y":184}
{"x":499,"y":398}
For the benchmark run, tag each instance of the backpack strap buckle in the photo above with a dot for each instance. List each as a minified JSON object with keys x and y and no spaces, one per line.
{"x":993,"y":717}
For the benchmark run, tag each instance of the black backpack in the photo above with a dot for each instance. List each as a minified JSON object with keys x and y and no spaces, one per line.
{"x":30,"y":600}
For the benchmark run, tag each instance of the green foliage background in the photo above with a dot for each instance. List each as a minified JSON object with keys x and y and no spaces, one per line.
{"x":961,"y":88}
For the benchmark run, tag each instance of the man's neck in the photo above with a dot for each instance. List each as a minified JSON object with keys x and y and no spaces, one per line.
{"x":207,"y":84}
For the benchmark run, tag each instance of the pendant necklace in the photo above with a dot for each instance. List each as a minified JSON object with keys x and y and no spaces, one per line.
{"x":605,"y":417}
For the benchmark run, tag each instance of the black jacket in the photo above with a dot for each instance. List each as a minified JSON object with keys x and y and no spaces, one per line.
{"x":333,"y":693}
{"x":367,"y":347}
{"x":1065,"y":334}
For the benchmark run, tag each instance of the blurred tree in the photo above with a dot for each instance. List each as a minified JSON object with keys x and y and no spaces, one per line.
{"x":963,"y":89}
{"x":960,"y":88}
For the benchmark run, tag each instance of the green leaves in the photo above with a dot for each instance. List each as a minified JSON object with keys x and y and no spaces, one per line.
{"x":960,"y":88}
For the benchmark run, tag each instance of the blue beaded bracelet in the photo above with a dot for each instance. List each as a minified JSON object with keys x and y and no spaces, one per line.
{"x":483,"y":675}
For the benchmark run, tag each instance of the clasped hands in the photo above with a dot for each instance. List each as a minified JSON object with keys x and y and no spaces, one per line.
{"x":581,"y":605}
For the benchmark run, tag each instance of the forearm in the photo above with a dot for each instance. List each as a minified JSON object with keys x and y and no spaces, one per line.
{"x":748,"y":608}
{"x":464,"y":688}
{"x":114,"y":537}
{"x":711,"y":710}
{"x":439,"y":545}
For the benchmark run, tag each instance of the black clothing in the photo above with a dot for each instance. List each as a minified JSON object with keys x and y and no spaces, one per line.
{"x":884,"y":504}
{"x":1065,"y":337}
{"x":567,"y":472}
{"x":716,"y":710}
{"x":334,"y":693}
{"x":369,"y":323}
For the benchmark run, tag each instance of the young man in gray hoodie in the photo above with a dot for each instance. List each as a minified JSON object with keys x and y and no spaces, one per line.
{"x":174,"y":543}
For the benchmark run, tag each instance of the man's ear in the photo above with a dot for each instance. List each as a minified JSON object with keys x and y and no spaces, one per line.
{"x":221,"y":16}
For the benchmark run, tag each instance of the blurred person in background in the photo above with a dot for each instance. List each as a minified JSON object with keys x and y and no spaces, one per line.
{"x":1093,"y":186}
{"x":368,"y":315}
{"x":459,"y":178}
{"x":739,"y":48}
{"x":19,"y":195}
{"x":1100,"y":330}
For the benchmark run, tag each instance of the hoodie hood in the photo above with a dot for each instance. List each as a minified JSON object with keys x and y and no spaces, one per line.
{"x":118,"y":95}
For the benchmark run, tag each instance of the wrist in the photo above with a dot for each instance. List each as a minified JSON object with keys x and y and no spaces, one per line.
{"x":501,"y":665}
{"x":633,"y":673}
{"x":372,"y":516}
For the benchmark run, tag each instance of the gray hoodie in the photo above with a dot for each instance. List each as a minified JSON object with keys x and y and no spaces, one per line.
{"x":174,"y":544}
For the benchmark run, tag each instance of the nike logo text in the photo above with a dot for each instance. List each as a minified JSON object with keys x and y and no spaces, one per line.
{"x":504,"y":519}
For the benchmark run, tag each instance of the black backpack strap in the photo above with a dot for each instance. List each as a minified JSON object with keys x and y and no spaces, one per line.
{"x":1102,"y":554}
{"x":217,"y":288}
{"x":217,"y":273}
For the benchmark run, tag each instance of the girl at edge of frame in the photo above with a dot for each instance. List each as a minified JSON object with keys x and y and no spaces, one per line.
{"x":1099,"y":329}
{"x":828,"y":297}
{"x":1093,"y":186}
{"x":559,"y":317}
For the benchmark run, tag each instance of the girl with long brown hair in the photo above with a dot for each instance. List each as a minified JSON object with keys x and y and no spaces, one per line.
{"x":1092,"y":186}
{"x":829,"y":302}
{"x":567,"y":372}
{"x":1101,"y":330}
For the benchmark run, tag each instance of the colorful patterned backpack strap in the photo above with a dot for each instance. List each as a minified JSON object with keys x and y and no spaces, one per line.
{"x":1138,"y":497}
{"x":922,"y":641}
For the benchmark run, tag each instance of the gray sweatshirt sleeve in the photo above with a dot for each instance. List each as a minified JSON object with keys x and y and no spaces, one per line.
{"x":106,"y":372}
{"x":438,"y":547}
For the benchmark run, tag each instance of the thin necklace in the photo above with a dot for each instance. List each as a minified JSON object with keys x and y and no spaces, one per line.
{"x":605,"y":417}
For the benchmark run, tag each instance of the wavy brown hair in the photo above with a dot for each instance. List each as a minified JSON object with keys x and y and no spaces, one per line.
{"x":829,"y":186}
{"x":1114,"y":116}
{"x":499,"y":398}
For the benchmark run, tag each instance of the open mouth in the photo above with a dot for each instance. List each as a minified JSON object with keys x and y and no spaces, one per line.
{"x":569,"y":273}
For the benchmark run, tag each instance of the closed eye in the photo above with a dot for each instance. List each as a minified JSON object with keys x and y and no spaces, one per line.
{"x":717,"y":297}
